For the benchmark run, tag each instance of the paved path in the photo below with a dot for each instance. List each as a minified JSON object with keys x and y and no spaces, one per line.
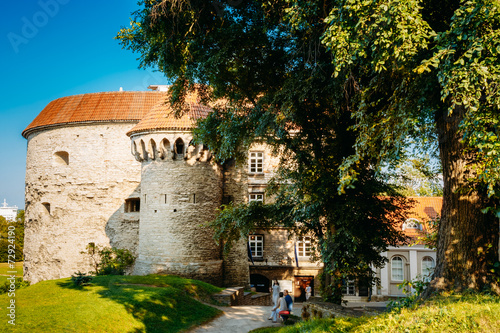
{"x":241,"y":319}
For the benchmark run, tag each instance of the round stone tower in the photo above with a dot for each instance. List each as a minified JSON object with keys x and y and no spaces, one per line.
{"x":181,"y":189}
{"x":79,"y":177}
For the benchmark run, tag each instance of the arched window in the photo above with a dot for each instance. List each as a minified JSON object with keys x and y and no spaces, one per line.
{"x":428,"y":265}
{"x":179,"y":147}
{"x":412,"y":224}
{"x":61,"y":158}
{"x":397,"y":268}
{"x":164,"y":148}
{"x":152,"y":149}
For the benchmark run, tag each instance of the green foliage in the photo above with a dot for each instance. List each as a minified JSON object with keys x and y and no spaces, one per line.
{"x":81,"y":279}
{"x":17,"y":230}
{"x":19,"y":283}
{"x":410,"y":74}
{"x":412,"y":290}
{"x":417,"y":176}
{"x":262,"y":65}
{"x":109,"y":261}
{"x":442,"y":313}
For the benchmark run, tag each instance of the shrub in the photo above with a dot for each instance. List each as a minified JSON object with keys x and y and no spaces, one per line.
{"x":109,"y":260}
{"x":20,"y":283}
{"x":81,"y":279}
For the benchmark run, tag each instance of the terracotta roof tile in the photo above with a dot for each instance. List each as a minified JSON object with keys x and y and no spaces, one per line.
{"x":162,"y":117}
{"x":104,"y":106}
{"x":424,"y":210}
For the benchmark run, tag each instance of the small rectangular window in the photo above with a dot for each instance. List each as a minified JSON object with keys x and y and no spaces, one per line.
{"x":256,"y":162}
{"x":256,"y":243}
{"x":164,"y":198}
{"x":304,"y":247}
{"x":132,"y":205}
{"x":348,"y":288}
{"x":256,"y":197}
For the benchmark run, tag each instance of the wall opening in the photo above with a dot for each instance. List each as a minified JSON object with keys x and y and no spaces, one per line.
{"x":260,"y":282}
{"x":179,"y":147}
{"x":132,"y":205}
{"x":61,"y":158}
{"x":46,"y":205}
{"x":152,"y":149}
{"x":164,"y":148}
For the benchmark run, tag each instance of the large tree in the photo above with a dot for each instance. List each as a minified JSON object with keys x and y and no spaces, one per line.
{"x":340,"y":88}
{"x":432,"y":68}
{"x":275,"y":80}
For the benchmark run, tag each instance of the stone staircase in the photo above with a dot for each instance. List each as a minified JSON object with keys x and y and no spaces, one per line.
{"x":237,"y":296}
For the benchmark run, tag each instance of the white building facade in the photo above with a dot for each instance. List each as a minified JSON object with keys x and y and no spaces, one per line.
{"x":10,"y":213}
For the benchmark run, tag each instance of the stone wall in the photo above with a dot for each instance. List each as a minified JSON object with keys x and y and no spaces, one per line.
{"x":180,"y":192}
{"x":77,"y":179}
{"x":236,"y":271}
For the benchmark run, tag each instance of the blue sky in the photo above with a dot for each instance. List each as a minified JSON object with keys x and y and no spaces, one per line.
{"x":55,"y":48}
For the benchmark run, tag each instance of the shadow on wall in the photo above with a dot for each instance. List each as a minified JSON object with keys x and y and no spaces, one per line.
{"x":122,"y":228}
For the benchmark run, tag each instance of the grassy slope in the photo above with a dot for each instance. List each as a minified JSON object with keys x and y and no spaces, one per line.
{"x":452,"y":313}
{"x":111,"y":304}
{"x":4,"y":268}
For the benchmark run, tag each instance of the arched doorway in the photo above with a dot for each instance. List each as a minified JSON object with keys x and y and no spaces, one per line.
{"x":260,"y":282}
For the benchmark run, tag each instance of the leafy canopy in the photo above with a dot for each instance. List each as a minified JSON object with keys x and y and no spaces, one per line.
{"x":265,"y":65}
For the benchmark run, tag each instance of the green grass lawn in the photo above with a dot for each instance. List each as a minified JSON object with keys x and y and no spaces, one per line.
{"x":451,"y":313}
{"x":111,"y":304}
{"x":4,"y":268}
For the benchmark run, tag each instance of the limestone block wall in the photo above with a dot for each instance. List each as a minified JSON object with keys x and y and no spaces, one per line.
{"x":180,"y":191}
{"x":77,"y":179}
{"x":236,"y":272}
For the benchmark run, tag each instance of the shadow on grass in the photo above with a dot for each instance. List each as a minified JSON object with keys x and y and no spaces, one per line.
{"x":160,"y":308}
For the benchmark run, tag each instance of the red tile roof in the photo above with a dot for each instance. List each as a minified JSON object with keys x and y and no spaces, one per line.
{"x":96,"y":107}
{"x":424,"y":210}
{"x":162,"y":116}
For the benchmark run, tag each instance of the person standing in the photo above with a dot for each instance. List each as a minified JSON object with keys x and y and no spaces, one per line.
{"x":276,"y":292}
{"x":308,"y":292}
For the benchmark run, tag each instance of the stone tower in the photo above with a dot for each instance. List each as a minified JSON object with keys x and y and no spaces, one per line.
{"x":79,"y":175}
{"x":181,"y":189}
{"x":83,"y":186}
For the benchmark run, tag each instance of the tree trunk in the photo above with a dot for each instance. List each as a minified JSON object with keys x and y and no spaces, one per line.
{"x":467,"y":239}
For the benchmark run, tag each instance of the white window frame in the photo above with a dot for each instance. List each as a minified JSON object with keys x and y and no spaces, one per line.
{"x":256,"y":197}
{"x":304,"y":249}
{"x":256,"y":243}
{"x":412,"y":224}
{"x":426,"y":270}
{"x":395,"y":276}
{"x":256,"y":162}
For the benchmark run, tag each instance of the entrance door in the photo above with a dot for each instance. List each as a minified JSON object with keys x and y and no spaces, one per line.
{"x":260,"y":282}
{"x":300,"y":285}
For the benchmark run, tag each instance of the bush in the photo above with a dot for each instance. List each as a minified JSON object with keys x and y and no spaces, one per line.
{"x":6,"y":286}
{"x":81,"y":279}
{"x":109,"y":261}
{"x":413,"y":290}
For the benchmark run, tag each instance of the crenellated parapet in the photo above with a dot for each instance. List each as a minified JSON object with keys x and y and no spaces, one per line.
{"x":164,"y":145}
